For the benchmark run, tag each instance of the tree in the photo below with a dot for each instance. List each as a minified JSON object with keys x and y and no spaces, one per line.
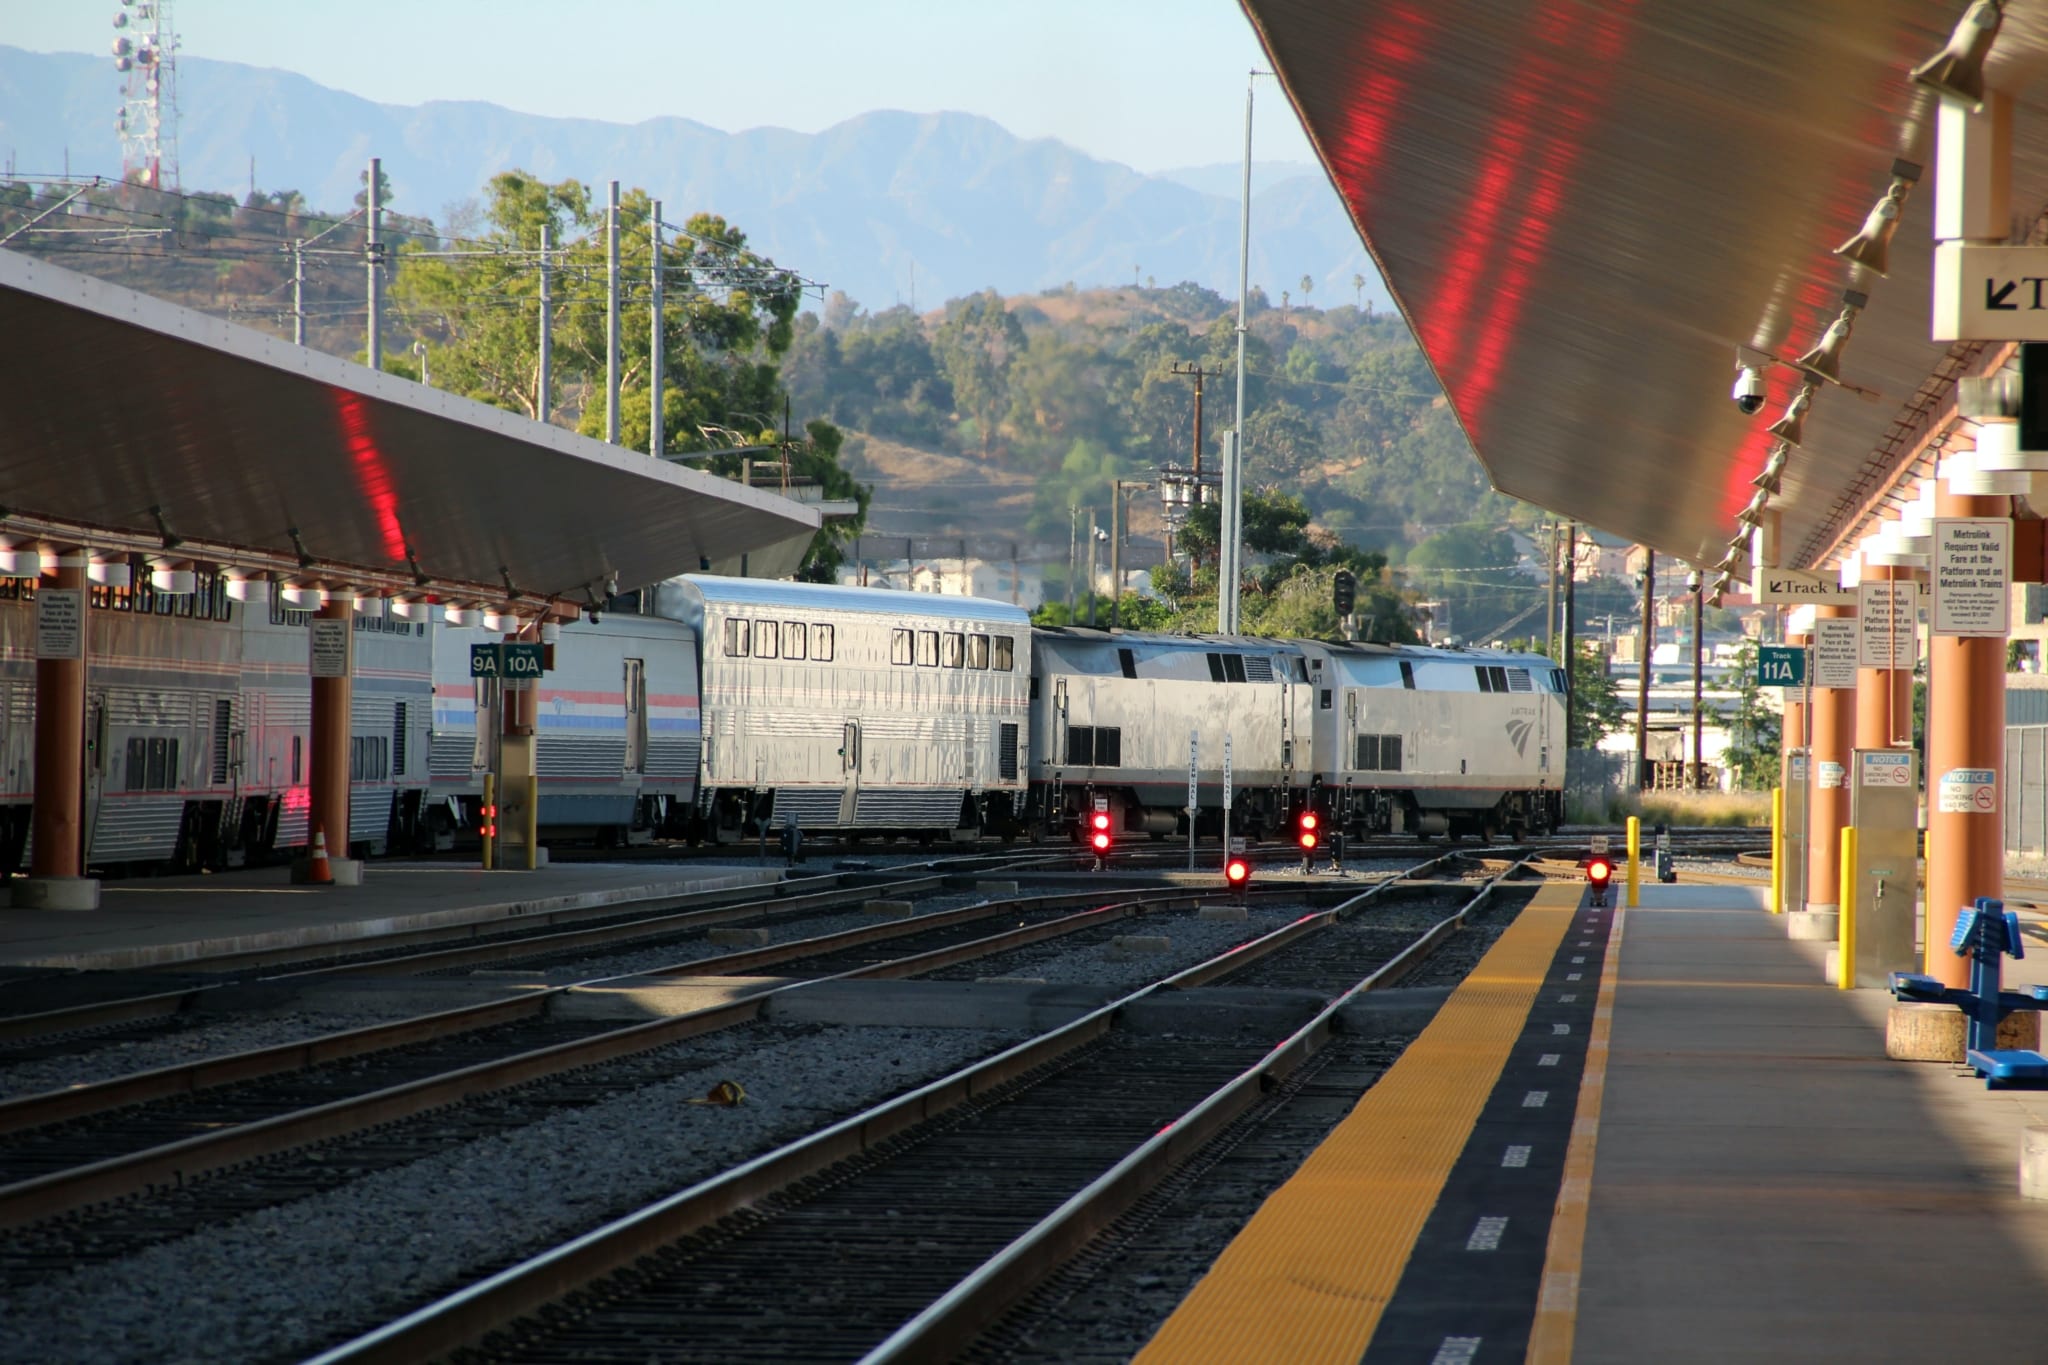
{"x":1754,"y":732}
{"x":1308,"y":286}
{"x":1596,"y":710}
{"x":1357,"y":291}
{"x":975,"y":345}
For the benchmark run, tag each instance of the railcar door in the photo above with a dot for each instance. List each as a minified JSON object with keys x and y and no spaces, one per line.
{"x":95,"y":764}
{"x":849,"y":765}
{"x":636,"y":716}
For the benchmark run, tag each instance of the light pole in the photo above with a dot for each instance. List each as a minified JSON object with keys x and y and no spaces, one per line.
{"x":1698,"y":611}
{"x":419,"y":348}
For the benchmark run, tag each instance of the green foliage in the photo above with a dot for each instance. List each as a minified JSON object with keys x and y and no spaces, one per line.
{"x":1596,"y":709}
{"x":1754,"y":732}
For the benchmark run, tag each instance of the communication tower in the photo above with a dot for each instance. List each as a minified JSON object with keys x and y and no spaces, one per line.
{"x":145,"y":53}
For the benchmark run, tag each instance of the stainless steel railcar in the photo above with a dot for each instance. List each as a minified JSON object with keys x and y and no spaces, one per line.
{"x":1114,"y":714}
{"x":197,"y":717}
{"x":1434,"y":741}
{"x":856,"y":709}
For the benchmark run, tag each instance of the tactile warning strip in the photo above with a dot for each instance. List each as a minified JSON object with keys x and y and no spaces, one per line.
{"x":1310,"y":1276}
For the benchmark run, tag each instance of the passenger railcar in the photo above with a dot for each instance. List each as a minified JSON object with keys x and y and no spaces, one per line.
{"x":1434,"y":741}
{"x":1114,"y":714}
{"x":857,"y":709}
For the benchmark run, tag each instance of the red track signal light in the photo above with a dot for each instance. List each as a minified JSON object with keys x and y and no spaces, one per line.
{"x":1599,"y":871}
{"x":1308,"y":830}
{"x":1099,"y":821}
{"x":1237,"y":872}
{"x":1100,"y":841}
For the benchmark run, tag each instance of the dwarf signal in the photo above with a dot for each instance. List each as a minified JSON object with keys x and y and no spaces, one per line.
{"x":1236,"y":873}
{"x":1599,"y":873}
{"x":1099,"y":836}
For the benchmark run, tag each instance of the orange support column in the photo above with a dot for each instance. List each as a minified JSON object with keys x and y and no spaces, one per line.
{"x":57,"y":879}
{"x":1831,"y":729}
{"x":1965,"y":729}
{"x":332,"y":646}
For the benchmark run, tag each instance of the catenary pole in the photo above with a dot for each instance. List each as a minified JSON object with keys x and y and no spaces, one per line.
{"x":544,"y":382}
{"x":654,"y":337}
{"x":1233,"y":465}
{"x":611,"y":317}
{"x":373,"y":252}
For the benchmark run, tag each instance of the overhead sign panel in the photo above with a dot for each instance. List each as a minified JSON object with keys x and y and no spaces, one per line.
{"x":1990,"y":293}
{"x":1972,"y":576}
{"x":1794,"y":586}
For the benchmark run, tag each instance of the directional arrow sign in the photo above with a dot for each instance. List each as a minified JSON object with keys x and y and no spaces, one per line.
{"x":1801,"y":585}
{"x":1990,"y":293}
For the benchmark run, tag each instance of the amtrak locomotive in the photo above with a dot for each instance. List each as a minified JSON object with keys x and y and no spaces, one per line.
{"x":715,"y":709}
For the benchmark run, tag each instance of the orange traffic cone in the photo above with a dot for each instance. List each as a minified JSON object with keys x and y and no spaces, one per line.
{"x":318,"y":873}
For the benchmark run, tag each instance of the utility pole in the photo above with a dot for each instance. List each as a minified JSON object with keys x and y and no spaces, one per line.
{"x":299,"y":292}
{"x":1073,"y":528}
{"x":1698,"y":611}
{"x":1646,"y":641}
{"x":654,"y":339}
{"x":611,"y":317}
{"x":544,"y":397}
{"x":373,"y":253}
{"x":1550,"y":618}
{"x":1571,"y":629}
{"x":1091,"y":565}
{"x":1116,"y":554}
{"x":1233,"y":460}
{"x":1198,"y":374}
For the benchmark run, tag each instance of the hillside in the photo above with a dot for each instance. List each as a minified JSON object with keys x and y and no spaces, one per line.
{"x":888,"y":207}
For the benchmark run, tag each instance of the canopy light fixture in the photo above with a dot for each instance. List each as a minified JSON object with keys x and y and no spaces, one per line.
{"x":1871,"y":246}
{"x":1824,"y":361}
{"x":1772,"y":475}
{"x":111,"y":571}
{"x":247,"y":587}
{"x":173,"y":579}
{"x":1792,"y":426}
{"x":1957,"y":71}
{"x":20,"y":558}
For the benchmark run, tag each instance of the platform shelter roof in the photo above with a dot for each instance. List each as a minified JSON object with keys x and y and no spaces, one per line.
{"x":129,"y":423}
{"x":1586,"y":209}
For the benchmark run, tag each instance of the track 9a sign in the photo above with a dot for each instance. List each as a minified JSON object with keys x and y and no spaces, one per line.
{"x":509,"y":661}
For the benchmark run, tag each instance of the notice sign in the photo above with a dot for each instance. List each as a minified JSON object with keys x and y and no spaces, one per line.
{"x":60,"y":623}
{"x":1826,"y":774}
{"x":1887,"y":770}
{"x":1968,"y":791}
{"x":1834,"y":652}
{"x":1887,"y":615}
{"x":1972,"y":568}
{"x":328,"y":642}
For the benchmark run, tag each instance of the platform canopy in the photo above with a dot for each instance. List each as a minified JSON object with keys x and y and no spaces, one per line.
{"x":138,"y":425}
{"x":1585,"y":208}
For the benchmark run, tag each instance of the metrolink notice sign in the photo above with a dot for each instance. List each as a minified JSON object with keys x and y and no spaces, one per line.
{"x":1972,"y":572}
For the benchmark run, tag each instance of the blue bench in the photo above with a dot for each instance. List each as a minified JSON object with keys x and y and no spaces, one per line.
{"x":1987,"y":933}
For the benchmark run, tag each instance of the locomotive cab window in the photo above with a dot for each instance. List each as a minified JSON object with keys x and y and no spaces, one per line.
{"x":1408,"y":675}
{"x":767,"y":640}
{"x":956,"y":649}
{"x":1005,"y":654}
{"x":736,"y":638}
{"x":899,"y":646}
{"x":927,"y":649}
{"x":793,"y":639}
{"x":1233,"y":667}
{"x":1127,"y":661}
{"x":821,"y":643}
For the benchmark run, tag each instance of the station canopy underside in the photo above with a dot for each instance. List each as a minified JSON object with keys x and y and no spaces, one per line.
{"x":137,"y":422}
{"x":1584,"y":207}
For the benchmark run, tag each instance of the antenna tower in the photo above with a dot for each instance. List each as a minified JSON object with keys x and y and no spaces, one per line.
{"x":146,"y":55}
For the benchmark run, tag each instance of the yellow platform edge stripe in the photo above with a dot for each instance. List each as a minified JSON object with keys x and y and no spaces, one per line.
{"x":1307,"y":1279}
{"x":1557,"y":1306}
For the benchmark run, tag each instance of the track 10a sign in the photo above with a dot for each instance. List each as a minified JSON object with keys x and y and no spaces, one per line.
{"x":1780,"y":666}
{"x":507,"y":661}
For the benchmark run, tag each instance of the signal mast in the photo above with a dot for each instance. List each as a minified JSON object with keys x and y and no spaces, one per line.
{"x":145,"y":53}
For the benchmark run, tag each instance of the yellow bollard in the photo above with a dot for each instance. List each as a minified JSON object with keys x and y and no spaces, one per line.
{"x":1845,"y":954}
{"x":1777,"y":850}
{"x":487,"y":821}
{"x":1635,"y":856}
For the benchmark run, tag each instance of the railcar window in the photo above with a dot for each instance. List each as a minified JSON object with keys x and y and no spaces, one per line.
{"x":137,"y":767}
{"x":1215,"y":668}
{"x":1323,"y":699}
{"x":977,"y":652}
{"x":1500,"y":678}
{"x":1557,"y":680}
{"x":1109,"y":746}
{"x":821,"y":643}
{"x":737,"y":638}
{"x":1006,"y":655}
{"x":298,"y":757}
{"x":900,"y":647}
{"x":767,"y":640}
{"x":956,"y":649}
{"x":927,"y":649}
{"x":793,"y":639}
{"x":1127,"y":660}
{"x":1485,"y":681}
{"x":1407,"y":675}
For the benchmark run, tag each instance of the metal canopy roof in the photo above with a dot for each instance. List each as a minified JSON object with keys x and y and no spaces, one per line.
{"x":1584,"y":207}
{"x":117,"y":409}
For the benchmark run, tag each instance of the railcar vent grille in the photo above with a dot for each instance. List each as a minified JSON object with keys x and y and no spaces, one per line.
{"x":1257,"y":669}
{"x":1006,"y":752}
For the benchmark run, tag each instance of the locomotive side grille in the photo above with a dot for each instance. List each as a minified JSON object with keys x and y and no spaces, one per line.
{"x":907,"y":807}
{"x":1257,"y":669}
{"x":814,"y":807}
{"x":1006,"y":752}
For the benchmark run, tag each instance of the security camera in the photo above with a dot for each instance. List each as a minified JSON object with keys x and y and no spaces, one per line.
{"x":594,"y":614}
{"x":1749,"y":390}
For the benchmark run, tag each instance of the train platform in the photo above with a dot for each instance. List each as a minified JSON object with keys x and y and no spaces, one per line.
{"x":158,"y":922}
{"x":1646,"y":1134}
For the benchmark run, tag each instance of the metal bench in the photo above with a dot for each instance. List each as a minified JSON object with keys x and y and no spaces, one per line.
{"x":1987,"y":933}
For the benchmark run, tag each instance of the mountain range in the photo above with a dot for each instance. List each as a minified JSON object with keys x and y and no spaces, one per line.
{"x":888,"y":206}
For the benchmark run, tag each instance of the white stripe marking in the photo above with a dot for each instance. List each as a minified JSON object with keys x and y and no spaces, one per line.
{"x":1578,"y":960}
{"x":1560,"y":1028}
{"x":1457,"y":1351}
{"x":1535,"y":1099}
{"x":1548,"y":1059}
{"x":1566,"y":999}
{"x":1516,"y":1156}
{"x":1573,"y":976}
{"x":1486,"y":1234}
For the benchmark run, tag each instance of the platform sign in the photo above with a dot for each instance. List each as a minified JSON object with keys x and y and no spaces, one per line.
{"x":1990,"y":293}
{"x":1791,"y":587}
{"x":1780,"y":666}
{"x":1885,"y":808}
{"x":327,"y":644}
{"x":1194,"y":772}
{"x":1885,"y":768}
{"x":522,"y":660}
{"x":1968,"y":791}
{"x":1887,"y":615}
{"x":485,"y":662}
{"x":1834,"y":652}
{"x":1972,"y":575}
{"x":1597,"y":845}
{"x":60,"y":623}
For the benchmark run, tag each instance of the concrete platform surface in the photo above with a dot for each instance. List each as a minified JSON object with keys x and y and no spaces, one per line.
{"x":1767,"y":1186}
{"x":153,"y":922}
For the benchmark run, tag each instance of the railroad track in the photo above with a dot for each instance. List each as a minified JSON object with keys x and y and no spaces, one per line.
{"x":901,"y":1232}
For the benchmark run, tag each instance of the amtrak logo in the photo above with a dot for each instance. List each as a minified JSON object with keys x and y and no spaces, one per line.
{"x":1518,"y":731}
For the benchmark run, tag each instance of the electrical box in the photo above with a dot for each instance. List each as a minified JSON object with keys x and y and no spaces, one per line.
{"x":1795,"y":830}
{"x":1884,"y":806}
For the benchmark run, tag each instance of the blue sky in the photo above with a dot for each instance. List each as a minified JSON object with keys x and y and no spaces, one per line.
{"x":1151,"y":83}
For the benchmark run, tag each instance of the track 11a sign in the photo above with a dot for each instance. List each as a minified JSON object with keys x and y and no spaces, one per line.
{"x":1780,"y":666}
